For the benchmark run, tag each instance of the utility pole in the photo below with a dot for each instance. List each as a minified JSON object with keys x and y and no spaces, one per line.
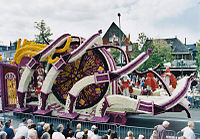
{"x":120,"y":37}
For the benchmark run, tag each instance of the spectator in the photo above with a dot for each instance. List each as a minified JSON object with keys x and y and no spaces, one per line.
{"x":96,"y":132}
{"x":46,"y":128}
{"x":58,"y":134}
{"x":46,"y":135}
{"x":193,"y":83}
{"x":109,"y":133}
{"x":78,"y":133}
{"x":51,"y":131}
{"x":71,"y":135}
{"x":40,"y":129}
{"x":85,"y":134}
{"x":154,"y":135}
{"x":22,"y":130}
{"x":114,"y":135}
{"x":66,"y":130}
{"x":161,"y":130}
{"x":24,"y":122}
{"x":91,"y":132}
{"x":29,"y":121}
{"x":3,"y":135}
{"x":32,"y":133}
{"x":11,"y":124}
{"x":8,"y":130}
{"x":130,"y":135}
{"x":188,"y":131}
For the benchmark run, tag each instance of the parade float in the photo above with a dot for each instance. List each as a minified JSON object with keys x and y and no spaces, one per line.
{"x":77,"y":78}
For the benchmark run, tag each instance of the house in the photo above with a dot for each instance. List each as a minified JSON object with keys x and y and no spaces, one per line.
{"x":115,"y":36}
{"x":192,"y":48}
{"x":8,"y":52}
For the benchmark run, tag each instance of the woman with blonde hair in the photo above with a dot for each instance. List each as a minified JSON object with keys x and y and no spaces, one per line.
{"x":46,"y":134}
{"x":130,"y":135}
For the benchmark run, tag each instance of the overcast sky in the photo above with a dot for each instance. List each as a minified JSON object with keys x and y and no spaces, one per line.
{"x":156,"y":18}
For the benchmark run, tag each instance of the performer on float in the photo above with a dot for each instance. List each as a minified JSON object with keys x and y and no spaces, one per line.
{"x":151,"y":83}
{"x":40,"y":79}
{"x":170,"y":79}
{"x":126,"y":86}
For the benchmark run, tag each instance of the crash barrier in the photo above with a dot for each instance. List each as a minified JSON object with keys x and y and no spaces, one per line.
{"x":103,"y":127}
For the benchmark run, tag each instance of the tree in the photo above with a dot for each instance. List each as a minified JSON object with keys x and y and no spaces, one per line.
{"x":198,"y":55}
{"x":161,"y":52}
{"x":115,"y":54}
{"x":44,"y":32}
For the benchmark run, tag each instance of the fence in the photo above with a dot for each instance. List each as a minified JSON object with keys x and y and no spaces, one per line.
{"x":103,"y":127}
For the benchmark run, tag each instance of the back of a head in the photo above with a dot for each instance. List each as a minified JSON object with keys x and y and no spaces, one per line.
{"x":78,"y":126}
{"x":42,"y":123}
{"x":96,"y":131}
{"x":190,"y":124}
{"x":59,"y":129}
{"x":109,"y":132}
{"x":24,"y":120}
{"x":29,"y":121}
{"x":33,"y":125}
{"x":165,"y":123}
{"x":7,"y":124}
{"x":51,"y":126}
{"x":130,"y":134}
{"x":46,"y":127}
{"x":93,"y":127}
{"x":141,"y":137}
{"x":21,"y":137}
{"x":85,"y":131}
{"x":113,"y":135}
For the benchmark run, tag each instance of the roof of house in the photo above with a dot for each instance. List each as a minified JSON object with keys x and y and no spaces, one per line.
{"x":114,"y":29}
{"x":176,"y":45}
{"x":192,"y":47}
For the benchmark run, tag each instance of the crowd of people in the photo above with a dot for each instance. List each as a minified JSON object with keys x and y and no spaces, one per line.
{"x":28,"y":130}
{"x":193,"y":94}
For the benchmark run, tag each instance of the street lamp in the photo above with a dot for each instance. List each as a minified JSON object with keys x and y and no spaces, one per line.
{"x":120,"y":37}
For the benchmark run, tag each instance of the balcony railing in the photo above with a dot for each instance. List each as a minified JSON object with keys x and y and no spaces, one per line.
{"x":184,"y":63}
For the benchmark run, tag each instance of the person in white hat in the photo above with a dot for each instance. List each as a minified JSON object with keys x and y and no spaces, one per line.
{"x":91,"y":132}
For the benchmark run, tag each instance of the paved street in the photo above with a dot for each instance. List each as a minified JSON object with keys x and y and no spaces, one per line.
{"x":178,"y":120}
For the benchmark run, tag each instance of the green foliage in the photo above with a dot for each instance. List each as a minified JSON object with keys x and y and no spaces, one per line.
{"x":44,"y":32}
{"x":115,"y":54}
{"x":198,"y":55}
{"x":161,"y":53}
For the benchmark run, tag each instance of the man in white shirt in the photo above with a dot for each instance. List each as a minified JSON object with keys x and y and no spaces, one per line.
{"x":188,"y":131}
{"x":91,"y":132}
{"x":58,"y":134}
